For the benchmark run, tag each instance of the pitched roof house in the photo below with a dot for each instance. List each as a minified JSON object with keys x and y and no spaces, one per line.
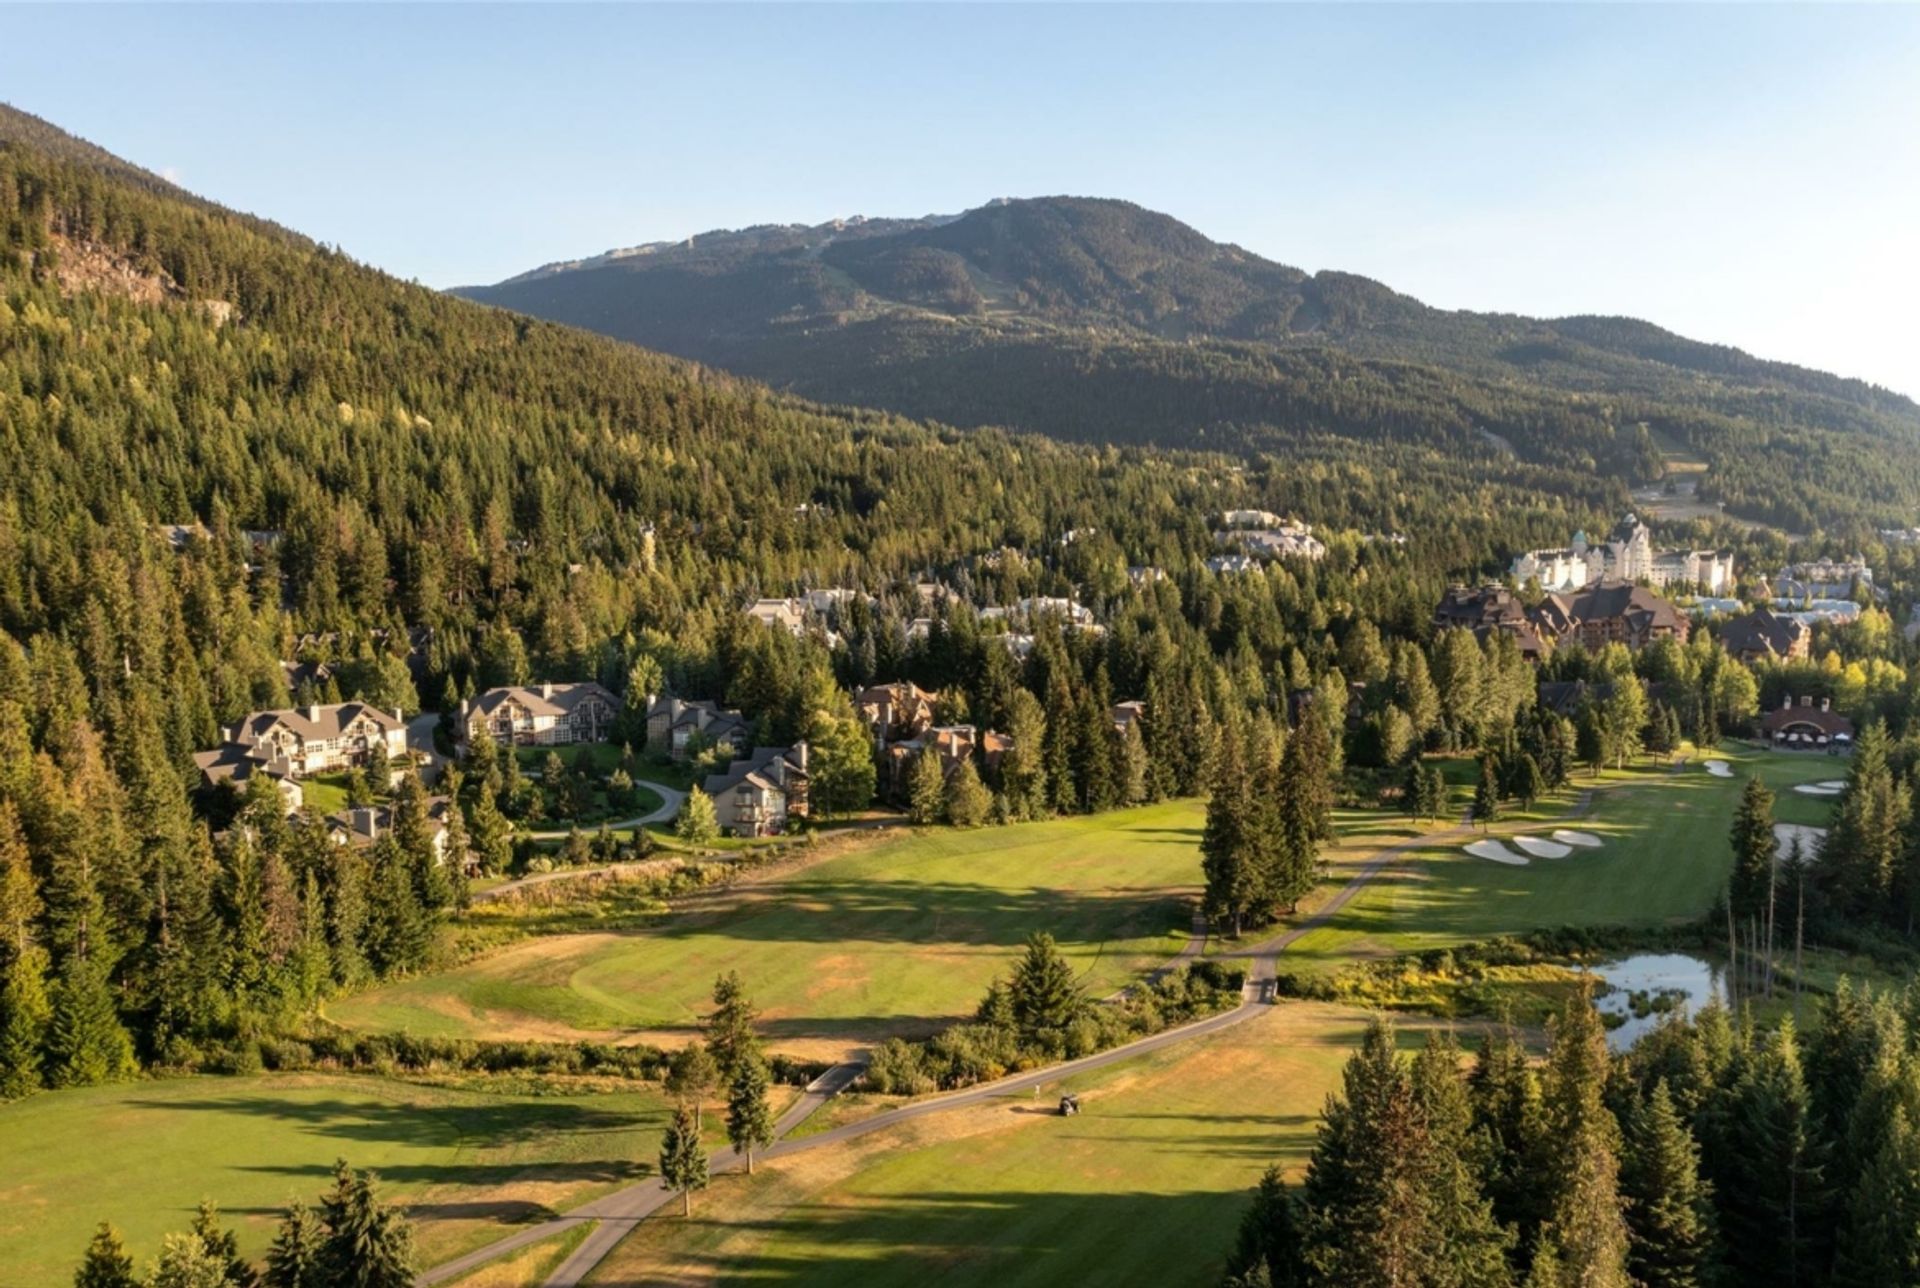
{"x":758,"y":794}
{"x":298,"y":742}
{"x":363,"y":825}
{"x":1610,"y":611}
{"x":895,"y":711}
{"x":541,"y":715}
{"x":674,"y":723}
{"x":1487,"y":610}
{"x":1764,"y":634}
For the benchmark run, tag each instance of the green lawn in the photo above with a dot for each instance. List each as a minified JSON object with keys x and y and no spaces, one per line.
{"x":900,"y":934}
{"x":1664,"y":858}
{"x":1145,"y":1186}
{"x":324,"y":793}
{"x":144,"y":1154}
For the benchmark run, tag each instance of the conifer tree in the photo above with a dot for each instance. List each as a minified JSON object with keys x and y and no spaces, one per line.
{"x":296,"y":1257}
{"x":1368,"y":1216}
{"x":1269,"y":1238}
{"x":222,"y":1248}
{"x":967,"y":798}
{"x":1881,"y":1244}
{"x":1771,"y":1187}
{"x":86,"y":1043}
{"x":749,"y":1116}
{"x":1670,"y":1216}
{"x":24,"y":1007}
{"x":1588,"y":1231}
{"x":730,"y":1029}
{"x":1754,"y":845}
{"x":369,"y":1243}
{"x":1486,"y":794}
{"x":1470,"y":1246}
{"x":399,"y":931}
{"x":492,"y":833}
{"x":107,"y":1264}
{"x":1043,"y":992}
{"x":1230,"y":845}
{"x":926,"y":789}
{"x":683,"y":1159}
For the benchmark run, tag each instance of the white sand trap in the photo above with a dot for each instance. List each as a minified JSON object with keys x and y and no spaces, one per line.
{"x":1497,"y":852}
{"x":1587,"y":839}
{"x":1719,"y":769}
{"x":1540,"y":849}
{"x":1819,"y":789}
{"x":1835,"y":783}
{"x":1784,"y":834}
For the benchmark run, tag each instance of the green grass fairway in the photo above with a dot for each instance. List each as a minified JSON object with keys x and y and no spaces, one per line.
{"x":143,"y":1155}
{"x":1664,"y":859}
{"x":1144,"y":1187}
{"x":901,"y":934}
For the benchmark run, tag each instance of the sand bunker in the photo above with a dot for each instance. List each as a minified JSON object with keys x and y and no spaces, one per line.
{"x":1819,"y":789}
{"x":1719,"y":769}
{"x":1540,"y":849}
{"x":1809,"y":837}
{"x":1497,"y":852}
{"x":1587,"y":839}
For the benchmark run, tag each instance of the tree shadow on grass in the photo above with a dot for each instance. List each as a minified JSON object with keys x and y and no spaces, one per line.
{"x":1000,"y":1238}
{"x":369,"y":1121}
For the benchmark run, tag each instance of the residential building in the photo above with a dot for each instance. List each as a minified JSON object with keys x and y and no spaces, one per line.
{"x":298,"y":742}
{"x":1764,"y":635}
{"x":1823,"y":579}
{"x":789,"y":615}
{"x":951,"y":743}
{"x":1611,"y":612}
{"x":1492,"y":608}
{"x":895,"y":712}
{"x":674,"y":724}
{"x":362,"y":825}
{"x":1252,"y":519}
{"x":1125,"y":713}
{"x":541,"y":715}
{"x":759,"y":794}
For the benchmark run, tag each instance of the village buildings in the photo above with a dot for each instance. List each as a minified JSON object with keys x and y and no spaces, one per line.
{"x":1607,"y":612}
{"x":675,"y":726}
{"x":297,"y":743}
{"x":1626,"y":555}
{"x":544,"y":715}
{"x":758,"y":794}
{"x":1766,"y":636}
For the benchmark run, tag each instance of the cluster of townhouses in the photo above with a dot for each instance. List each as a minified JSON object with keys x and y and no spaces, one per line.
{"x":1261,"y":535}
{"x":1605,"y":613}
{"x":900,"y":717}
{"x":1626,"y":555}
{"x":297,"y":743}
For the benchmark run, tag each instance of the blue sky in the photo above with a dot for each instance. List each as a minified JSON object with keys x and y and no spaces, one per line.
{"x":1742,"y":174}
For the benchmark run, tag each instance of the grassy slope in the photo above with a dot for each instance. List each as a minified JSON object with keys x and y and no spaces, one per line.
{"x":467,"y":1161}
{"x":1665,"y":857}
{"x":1143,"y":1187}
{"x":900,"y":934}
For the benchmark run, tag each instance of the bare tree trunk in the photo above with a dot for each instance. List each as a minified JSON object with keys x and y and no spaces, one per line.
{"x":749,"y":1160}
{"x":1799,"y":943}
{"x":1772,"y":888}
{"x":1733,"y":960}
{"x":686,"y":1203}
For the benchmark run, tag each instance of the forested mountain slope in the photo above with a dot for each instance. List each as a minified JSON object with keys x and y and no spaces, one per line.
{"x":225,"y":448}
{"x":1100,"y":321}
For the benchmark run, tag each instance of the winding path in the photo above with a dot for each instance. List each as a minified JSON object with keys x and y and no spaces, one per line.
{"x":619,"y":1212}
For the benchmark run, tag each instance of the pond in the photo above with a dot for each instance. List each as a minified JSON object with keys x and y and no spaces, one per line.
{"x":1646,"y":986}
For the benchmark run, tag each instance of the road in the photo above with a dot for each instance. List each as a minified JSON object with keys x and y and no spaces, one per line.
{"x":670,"y":801}
{"x":618,"y":1213}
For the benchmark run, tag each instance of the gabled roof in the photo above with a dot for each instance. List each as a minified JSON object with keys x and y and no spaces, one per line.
{"x":1762,"y":631}
{"x":768,"y":768}
{"x":314,"y":722}
{"x":544,"y":699}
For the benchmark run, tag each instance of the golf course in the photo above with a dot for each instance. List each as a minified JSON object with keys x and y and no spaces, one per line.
{"x":897,"y":933}
{"x":465,"y":1160}
{"x":901,"y":934}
